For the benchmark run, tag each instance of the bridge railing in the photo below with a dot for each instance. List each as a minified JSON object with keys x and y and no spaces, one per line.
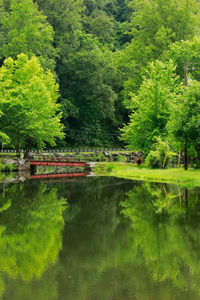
{"x":67,"y":150}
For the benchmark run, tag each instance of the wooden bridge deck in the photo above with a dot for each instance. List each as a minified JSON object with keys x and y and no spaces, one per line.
{"x":57,"y":163}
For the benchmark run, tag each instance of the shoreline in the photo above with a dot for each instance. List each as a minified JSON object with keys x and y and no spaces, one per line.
{"x":132,"y":171}
{"x":179,"y":176}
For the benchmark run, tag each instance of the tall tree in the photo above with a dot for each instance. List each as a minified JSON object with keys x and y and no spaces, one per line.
{"x":186,"y":56}
{"x":184,"y":124}
{"x":108,"y":21}
{"x":25,"y":30}
{"x":85,"y":69}
{"x":31,"y":115}
{"x":150,"y":106}
{"x":155,"y":25}
{"x":88,"y":101}
{"x":3,"y":137}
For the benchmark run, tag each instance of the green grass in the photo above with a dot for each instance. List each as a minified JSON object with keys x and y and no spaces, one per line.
{"x":132,"y":171}
{"x":8,"y":154}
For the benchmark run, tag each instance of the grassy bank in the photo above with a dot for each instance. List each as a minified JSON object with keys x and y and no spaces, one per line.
{"x":132,"y":171}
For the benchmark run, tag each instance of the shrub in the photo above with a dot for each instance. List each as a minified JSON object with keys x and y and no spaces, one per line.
{"x":6,"y":167}
{"x":88,"y":158}
{"x":153,"y":159}
{"x":110,"y":157}
{"x":100,"y":157}
{"x":121,"y":158}
{"x":157,"y":156}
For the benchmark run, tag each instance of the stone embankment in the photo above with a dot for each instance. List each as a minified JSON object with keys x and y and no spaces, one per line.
{"x":18,"y":164}
{"x":22,"y":165}
{"x":98,"y":156}
{"x":130,"y":156}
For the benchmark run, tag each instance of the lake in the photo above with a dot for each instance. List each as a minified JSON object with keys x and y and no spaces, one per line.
{"x":99,"y":238}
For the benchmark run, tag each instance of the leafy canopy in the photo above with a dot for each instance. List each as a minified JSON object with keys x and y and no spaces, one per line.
{"x":25,"y":30}
{"x":31,"y":115}
{"x":185,"y":51}
{"x":184,"y":123}
{"x":150,"y":106}
{"x":156,"y":24}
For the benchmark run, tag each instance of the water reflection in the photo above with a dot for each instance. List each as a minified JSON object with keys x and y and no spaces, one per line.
{"x":31,"y":224}
{"x":122,"y":240}
{"x":106,"y":258}
{"x":166,"y":223}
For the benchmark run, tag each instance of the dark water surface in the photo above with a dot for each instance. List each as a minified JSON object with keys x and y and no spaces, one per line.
{"x":99,"y":238}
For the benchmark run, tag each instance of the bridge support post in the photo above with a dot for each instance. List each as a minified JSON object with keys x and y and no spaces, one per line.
{"x":87,"y":167}
{"x":33,"y":169}
{"x":23,"y":166}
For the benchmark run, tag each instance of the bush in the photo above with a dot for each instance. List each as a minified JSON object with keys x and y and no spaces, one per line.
{"x":153,"y":160}
{"x":110,"y":157}
{"x":121,"y":158}
{"x":88,"y":158}
{"x":157,"y":156}
{"x":100,"y":157}
{"x":6,"y":167}
{"x":78,"y":158}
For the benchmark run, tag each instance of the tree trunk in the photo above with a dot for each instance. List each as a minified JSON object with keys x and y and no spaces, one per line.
{"x":18,"y":151}
{"x":26,"y":153}
{"x":185,"y":148}
{"x":27,"y":148}
{"x":197,"y":148}
{"x":185,"y":155}
{"x":185,"y":159}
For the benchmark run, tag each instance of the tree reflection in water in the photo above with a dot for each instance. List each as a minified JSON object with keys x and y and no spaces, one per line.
{"x":166,"y":223}
{"x":31,"y":226}
{"x":123,"y":240}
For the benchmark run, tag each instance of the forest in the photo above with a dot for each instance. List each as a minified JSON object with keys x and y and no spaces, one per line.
{"x":101,"y":73}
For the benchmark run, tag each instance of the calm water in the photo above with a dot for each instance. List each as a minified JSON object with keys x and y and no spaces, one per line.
{"x":99,"y":239}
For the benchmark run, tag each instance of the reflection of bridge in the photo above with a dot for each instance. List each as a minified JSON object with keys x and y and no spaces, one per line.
{"x":64,"y":175}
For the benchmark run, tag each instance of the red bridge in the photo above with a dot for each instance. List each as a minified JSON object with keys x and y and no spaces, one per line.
{"x":58,"y":163}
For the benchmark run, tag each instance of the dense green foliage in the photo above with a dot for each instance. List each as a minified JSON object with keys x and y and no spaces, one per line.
{"x":151,"y":106}
{"x":105,"y":56}
{"x":25,"y":30}
{"x":30,"y":112}
{"x":31,"y":231}
{"x":165,"y":33}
